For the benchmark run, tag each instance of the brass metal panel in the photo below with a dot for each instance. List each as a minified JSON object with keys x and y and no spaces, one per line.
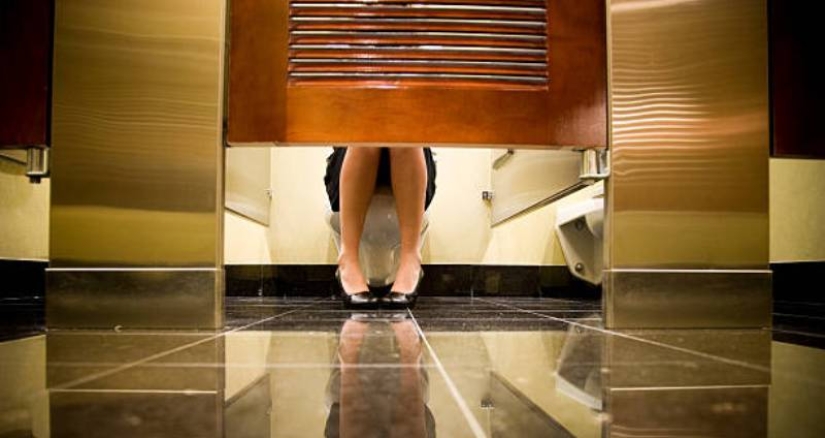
{"x":688,"y":358}
{"x":136,"y":298}
{"x":526,"y":178}
{"x":736,"y":411}
{"x":687,"y":299}
{"x":248,"y":172}
{"x":137,"y":133}
{"x":135,"y":383}
{"x":135,"y":360}
{"x":689,"y":134}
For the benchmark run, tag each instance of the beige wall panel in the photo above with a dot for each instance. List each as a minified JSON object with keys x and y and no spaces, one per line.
{"x":797,"y":210}
{"x":247,"y":182}
{"x":24,"y":214}
{"x":298,"y":232}
{"x":245,"y":241}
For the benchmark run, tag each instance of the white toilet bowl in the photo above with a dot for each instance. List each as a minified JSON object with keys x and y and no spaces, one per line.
{"x":579,"y":227}
{"x":381,"y":241}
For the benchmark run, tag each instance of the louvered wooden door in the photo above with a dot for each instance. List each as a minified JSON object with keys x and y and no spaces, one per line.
{"x":25,"y":72}
{"x":492,"y":72}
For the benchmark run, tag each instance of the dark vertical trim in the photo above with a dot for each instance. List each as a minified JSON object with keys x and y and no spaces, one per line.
{"x":22,"y":278}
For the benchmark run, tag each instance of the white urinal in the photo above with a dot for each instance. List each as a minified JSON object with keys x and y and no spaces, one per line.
{"x":579,"y":227}
{"x":381,"y":241}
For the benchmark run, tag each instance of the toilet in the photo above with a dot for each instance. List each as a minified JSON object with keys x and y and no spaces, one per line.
{"x":579,"y":228}
{"x":381,"y":240}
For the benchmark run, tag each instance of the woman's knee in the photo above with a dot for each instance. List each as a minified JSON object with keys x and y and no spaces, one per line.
{"x":407,"y":152}
{"x":364,"y":152}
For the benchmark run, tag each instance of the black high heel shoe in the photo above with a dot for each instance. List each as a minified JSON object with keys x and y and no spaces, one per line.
{"x":360,"y":300}
{"x":401,"y":300}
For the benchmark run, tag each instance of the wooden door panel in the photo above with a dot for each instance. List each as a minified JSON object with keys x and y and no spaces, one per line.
{"x":492,"y":72}
{"x":25,"y":71}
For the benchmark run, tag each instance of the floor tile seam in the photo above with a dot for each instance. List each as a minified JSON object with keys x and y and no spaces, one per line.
{"x":658,"y":344}
{"x":689,"y":388}
{"x":133,"y":391}
{"x":91,"y":378}
{"x":471,"y":420}
{"x":797,"y":332}
{"x":795,"y":315}
{"x":800,"y":303}
{"x":201,"y":365}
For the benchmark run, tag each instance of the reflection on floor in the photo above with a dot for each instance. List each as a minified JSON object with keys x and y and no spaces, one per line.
{"x":455,"y":367}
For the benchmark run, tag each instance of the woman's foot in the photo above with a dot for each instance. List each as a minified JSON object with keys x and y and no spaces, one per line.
{"x":353,"y":286}
{"x":404,"y":292}
{"x":408,"y":275}
{"x":351,"y":278}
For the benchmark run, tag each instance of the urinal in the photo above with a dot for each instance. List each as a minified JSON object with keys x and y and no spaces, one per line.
{"x":579,"y":228}
{"x":380,"y":248}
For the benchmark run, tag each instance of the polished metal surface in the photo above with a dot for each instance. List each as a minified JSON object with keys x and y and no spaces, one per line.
{"x":134,"y":298}
{"x":456,"y":367}
{"x":530,"y":179}
{"x":688,"y":298}
{"x":137,"y":133}
{"x":690,"y":141}
{"x":37,"y":164}
{"x":503,"y":159}
{"x":729,"y":375}
{"x":689,"y":144}
{"x":595,"y":165}
{"x":137,"y":178}
{"x":248,"y":172}
{"x":133,"y":384}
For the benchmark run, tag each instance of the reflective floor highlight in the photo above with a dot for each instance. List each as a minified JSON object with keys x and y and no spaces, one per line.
{"x":454,"y":367}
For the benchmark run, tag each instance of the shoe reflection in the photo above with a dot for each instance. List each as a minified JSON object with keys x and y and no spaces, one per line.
{"x":379,"y":387}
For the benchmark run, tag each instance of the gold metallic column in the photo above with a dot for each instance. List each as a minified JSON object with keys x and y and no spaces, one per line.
{"x":137,"y":182}
{"x":687,"y":222}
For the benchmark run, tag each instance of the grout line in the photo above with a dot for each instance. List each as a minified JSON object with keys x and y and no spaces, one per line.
{"x":768,"y":370}
{"x":475,"y":426}
{"x":156,"y":356}
{"x":647,"y":341}
{"x":127,"y":269}
{"x":797,"y":332}
{"x":688,"y":388}
{"x":689,"y":271}
{"x":795,"y":315}
{"x":137,"y":391}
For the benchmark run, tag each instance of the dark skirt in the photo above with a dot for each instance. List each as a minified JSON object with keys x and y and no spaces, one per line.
{"x":336,"y":160}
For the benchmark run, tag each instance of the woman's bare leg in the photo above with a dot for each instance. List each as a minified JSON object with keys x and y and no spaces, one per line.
{"x":357,"y":184}
{"x":409,"y":185}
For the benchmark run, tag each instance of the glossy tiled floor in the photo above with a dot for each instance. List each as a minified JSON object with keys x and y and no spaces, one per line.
{"x":455,"y":367}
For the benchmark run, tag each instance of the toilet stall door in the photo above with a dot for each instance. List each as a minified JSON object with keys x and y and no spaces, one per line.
{"x":492,"y":72}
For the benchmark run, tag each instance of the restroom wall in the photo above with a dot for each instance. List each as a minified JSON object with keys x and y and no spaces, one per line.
{"x":246,"y":242}
{"x":797,"y":212}
{"x":459,"y":232}
{"x":24,"y":214}
{"x":459,"y":219}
